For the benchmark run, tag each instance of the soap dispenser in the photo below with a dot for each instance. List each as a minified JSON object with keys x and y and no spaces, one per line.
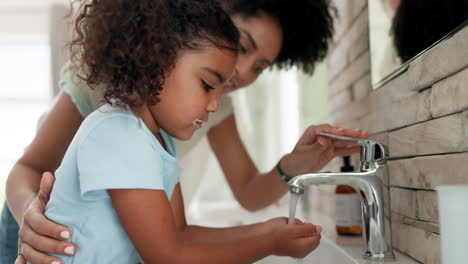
{"x":348,"y":206}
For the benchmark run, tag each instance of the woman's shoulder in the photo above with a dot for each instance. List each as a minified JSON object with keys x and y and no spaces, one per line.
{"x":86,"y":99}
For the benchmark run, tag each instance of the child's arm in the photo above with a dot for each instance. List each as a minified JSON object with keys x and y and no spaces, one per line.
{"x":149,"y":221}
{"x":192,"y":233}
{"x":201,"y":234}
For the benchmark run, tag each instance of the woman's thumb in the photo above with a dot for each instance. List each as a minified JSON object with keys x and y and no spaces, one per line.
{"x":47,"y":182}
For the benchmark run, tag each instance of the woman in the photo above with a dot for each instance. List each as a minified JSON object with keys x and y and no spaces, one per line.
{"x":273,"y":33}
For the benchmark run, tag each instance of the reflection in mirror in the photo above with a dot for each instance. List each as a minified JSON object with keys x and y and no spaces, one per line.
{"x":402,"y":29}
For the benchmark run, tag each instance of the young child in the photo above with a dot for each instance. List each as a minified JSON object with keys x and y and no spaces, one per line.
{"x":161,"y":65}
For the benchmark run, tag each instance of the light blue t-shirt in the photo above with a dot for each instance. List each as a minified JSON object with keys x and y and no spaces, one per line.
{"x":113,"y":149}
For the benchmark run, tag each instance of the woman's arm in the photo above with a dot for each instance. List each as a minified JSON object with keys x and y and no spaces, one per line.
{"x":157,"y":231}
{"x":44,"y":154}
{"x":255,"y":190}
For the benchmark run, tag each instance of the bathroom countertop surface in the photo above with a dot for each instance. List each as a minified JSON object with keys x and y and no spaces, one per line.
{"x":221,"y":215}
{"x":352,"y":245}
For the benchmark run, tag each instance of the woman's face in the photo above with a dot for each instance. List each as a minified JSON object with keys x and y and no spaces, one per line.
{"x":260,"y":43}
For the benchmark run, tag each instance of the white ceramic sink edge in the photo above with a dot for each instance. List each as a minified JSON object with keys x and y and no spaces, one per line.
{"x":326,"y":253}
{"x":333,"y":249}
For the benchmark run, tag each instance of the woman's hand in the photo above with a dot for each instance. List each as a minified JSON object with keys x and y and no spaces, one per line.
{"x":313,"y":152}
{"x":38,"y":235}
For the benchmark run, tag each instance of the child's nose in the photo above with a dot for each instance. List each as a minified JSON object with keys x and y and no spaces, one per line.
{"x":213,"y":105}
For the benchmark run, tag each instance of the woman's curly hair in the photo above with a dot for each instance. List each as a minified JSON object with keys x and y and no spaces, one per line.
{"x":127,"y":47}
{"x":307,"y":27}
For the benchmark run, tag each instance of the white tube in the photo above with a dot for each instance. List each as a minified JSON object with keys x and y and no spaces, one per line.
{"x":453,"y":216}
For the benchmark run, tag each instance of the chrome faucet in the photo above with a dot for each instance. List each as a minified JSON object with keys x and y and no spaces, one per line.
{"x":367,"y":182}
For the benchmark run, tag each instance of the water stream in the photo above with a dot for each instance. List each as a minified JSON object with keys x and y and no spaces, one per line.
{"x":293,"y":199}
{"x":292,"y":207}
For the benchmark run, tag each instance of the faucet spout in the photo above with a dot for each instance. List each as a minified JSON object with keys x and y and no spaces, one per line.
{"x":367,"y":182}
{"x":298,"y":184}
{"x":376,"y":235}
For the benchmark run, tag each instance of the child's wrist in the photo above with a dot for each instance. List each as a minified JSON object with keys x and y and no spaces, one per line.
{"x":273,"y":224}
{"x":272,"y":241}
{"x":262,"y":228}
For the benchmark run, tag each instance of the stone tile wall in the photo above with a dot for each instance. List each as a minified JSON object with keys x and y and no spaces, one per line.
{"x":422,"y":115}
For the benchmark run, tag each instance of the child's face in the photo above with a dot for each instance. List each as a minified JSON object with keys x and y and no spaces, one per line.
{"x":191,"y":90}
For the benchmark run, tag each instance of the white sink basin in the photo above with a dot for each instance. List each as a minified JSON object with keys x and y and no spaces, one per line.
{"x":333,"y":249}
{"x":326,"y":253}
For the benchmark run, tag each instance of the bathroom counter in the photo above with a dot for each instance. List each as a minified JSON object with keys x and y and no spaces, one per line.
{"x":352,"y":246}
{"x":338,"y":249}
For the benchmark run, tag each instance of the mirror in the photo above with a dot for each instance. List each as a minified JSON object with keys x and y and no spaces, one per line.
{"x":401,"y":30}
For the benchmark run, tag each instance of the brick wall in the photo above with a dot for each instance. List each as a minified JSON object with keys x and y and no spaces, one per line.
{"x":422,"y":115}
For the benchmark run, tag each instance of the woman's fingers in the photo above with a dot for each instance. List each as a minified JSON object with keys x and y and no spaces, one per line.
{"x":40,"y":225}
{"x":312,"y":151}
{"x":35,"y":256}
{"x":347,"y":151}
{"x":356,"y":133}
{"x":44,"y":243}
{"x":50,"y":245}
{"x":325,"y":141}
{"x":37,"y":235}
{"x":342,"y":143}
{"x":20,"y":260}
{"x":310,"y":135}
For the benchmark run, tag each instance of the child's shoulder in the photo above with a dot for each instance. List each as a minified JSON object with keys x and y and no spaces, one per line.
{"x":111,"y":114}
{"x":109,"y":120}
{"x":110,"y":124}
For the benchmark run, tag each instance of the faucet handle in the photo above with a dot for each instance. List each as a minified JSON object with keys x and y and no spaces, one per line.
{"x":357,"y":140}
{"x":371,"y":151}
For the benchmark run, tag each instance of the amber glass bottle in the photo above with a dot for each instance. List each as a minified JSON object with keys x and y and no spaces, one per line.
{"x":348,"y":206}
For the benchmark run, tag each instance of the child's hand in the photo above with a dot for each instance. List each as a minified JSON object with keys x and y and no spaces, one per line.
{"x":296,"y":240}
{"x":275,"y":223}
{"x":317,"y":227}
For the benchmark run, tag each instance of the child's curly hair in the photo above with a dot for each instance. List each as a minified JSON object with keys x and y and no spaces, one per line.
{"x":307,"y":27}
{"x":128,"y":47}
